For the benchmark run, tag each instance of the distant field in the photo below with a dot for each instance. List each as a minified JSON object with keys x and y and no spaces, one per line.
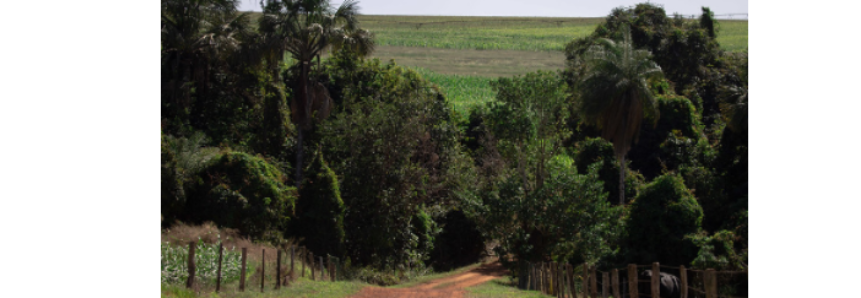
{"x":480,"y":33}
{"x":463,"y":91}
{"x":462,"y":54}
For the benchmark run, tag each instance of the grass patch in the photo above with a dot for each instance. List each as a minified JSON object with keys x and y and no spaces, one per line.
{"x":301,"y":288}
{"x":501,"y":287}
{"x":429,"y":277}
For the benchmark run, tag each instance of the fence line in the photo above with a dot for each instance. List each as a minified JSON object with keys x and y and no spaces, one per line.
{"x":561,"y":280}
{"x":327,"y":267}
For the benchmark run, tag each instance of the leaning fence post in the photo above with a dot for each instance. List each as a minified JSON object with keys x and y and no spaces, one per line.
{"x":218,"y":275}
{"x":711,"y":282}
{"x":242,"y":272}
{"x":278,"y":270}
{"x":190,"y":282}
{"x":683,"y":275}
{"x":605,"y":284}
{"x":615,"y":274}
{"x":656,"y":279}
{"x":330,"y":267}
{"x":632,"y":281}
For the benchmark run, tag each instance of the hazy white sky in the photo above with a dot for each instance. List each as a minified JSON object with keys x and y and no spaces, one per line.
{"x":548,"y":8}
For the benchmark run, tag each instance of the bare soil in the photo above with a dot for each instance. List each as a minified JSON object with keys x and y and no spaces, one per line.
{"x":451,"y":286}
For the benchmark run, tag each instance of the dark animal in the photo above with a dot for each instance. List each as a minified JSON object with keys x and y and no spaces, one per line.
{"x":670,"y":285}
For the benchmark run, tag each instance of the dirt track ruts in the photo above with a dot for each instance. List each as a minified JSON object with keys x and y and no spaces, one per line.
{"x":451,"y":286}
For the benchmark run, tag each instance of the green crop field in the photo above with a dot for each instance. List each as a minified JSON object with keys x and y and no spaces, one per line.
{"x":505,"y":33}
{"x":463,"y":91}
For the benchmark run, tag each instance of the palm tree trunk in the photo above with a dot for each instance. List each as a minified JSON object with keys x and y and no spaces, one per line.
{"x":622,"y":181}
{"x":299,"y":154}
{"x":301,"y":117}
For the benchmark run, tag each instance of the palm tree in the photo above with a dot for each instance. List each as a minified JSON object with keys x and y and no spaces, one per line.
{"x":615,"y":95}
{"x":304,"y":28}
{"x":195,"y":36}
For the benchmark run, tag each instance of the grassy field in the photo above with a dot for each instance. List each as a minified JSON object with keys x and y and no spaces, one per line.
{"x":505,"y":33}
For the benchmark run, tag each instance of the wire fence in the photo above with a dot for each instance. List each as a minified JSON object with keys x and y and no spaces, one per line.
{"x":635,"y":281}
{"x":269,"y":271}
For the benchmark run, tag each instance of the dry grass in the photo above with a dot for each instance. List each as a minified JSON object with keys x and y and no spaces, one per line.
{"x":182,"y":234}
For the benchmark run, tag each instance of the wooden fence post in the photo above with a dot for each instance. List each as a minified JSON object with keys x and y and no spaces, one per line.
{"x":557,"y":279}
{"x":585,"y":283}
{"x":242,"y":272}
{"x":218,"y":275}
{"x":683,"y":275}
{"x":605,"y":284}
{"x":190,"y":282}
{"x":656,"y":279}
{"x":292,"y":259}
{"x":711,"y":283}
{"x":305,"y":258}
{"x":572,"y":288}
{"x":311,"y":264}
{"x":528,"y":276}
{"x":330,"y":267}
{"x":278,"y":270}
{"x":593,"y":288}
{"x":615,"y":282}
{"x":632,"y":281}
{"x":322,"y":270}
{"x":262,"y":269}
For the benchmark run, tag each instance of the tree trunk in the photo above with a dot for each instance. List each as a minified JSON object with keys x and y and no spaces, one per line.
{"x":299,"y":152}
{"x":622,"y":181}
{"x":300,"y":112}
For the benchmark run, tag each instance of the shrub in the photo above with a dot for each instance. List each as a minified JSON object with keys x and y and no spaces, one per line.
{"x":660,"y":217}
{"x":242,"y":191}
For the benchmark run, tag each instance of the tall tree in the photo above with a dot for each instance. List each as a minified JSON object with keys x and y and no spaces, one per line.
{"x":614,"y":94}
{"x":304,"y":28}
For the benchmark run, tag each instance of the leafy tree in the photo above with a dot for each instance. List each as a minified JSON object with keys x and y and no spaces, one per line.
{"x":615,"y":94}
{"x":304,"y":28}
{"x":394,"y":145}
{"x":660,"y":217}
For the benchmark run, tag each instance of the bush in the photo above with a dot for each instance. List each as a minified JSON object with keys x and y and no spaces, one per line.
{"x":242,"y":191}
{"x":660,"y":217}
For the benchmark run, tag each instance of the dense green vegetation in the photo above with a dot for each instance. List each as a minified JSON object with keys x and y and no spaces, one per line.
{"x":635,"y":152}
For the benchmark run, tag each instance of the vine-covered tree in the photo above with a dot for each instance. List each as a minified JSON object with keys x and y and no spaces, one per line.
{"x":304,"y":28}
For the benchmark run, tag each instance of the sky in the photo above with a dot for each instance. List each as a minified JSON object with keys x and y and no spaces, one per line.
{"x":543,"y":8}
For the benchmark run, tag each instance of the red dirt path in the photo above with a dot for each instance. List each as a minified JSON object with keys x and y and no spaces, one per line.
{"x":452,"y":286}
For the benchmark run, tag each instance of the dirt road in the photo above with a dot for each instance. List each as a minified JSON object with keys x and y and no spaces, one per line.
{"x":452,"y":286}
